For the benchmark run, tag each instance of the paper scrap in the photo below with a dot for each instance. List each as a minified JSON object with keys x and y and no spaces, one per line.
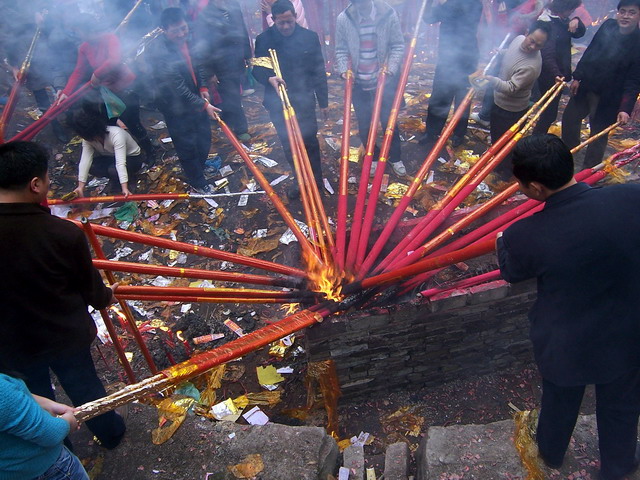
{"x":285,"y":370}
{"x":244,"y":199}
{"x":268,"y":375}
{"x":166,"y":140}
{"x":225,"y":411}
{"x":328,"y":186}
{"x":343,"y":473}
{"x":281,"y":178}
{"x":255,"y":416}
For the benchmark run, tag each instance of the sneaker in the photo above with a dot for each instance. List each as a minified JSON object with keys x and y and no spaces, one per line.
{"x":399,"y":168}
{"x":374,"y":167}
{"x":244,"y":137}
{"x":479,"y":120}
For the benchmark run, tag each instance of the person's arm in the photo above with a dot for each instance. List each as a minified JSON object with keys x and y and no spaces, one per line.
{"x":396,"y":45}
{"x":80,"y":72}
{"x":630,"y":91}
{"x":86,"y":160}
{"x":168,"y":73}
{"x":511,"y":267}
{"x":262,"y":74}
{"x":522,"y":79}
{"x":319,"y":74}
{"x":342,"y":45}
{"x":22,"y":416}
{"x":548,"y":52}
{"x":87,"y":278}
{"x":577,"y":28}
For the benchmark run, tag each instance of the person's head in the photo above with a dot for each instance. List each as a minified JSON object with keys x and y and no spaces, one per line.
{"x":86,"y":27}
{"x":284,"y":17}
{"x":24,"y":170}
{"x":89,"y":125}
{"x":628,"y":15}
{"x":174,"y":25}
{"x":564,"y":8}
{"x":542,"y":163}
{"x":363,"y":6}
{"x":537,"y":37}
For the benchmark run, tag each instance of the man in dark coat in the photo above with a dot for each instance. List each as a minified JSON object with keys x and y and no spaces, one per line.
{"x":457,"y":59}
{"x":606,"y":81}
{"x":182,"y":96}
{"x":47,"y":284}
{"x":222,"y":46}
{"x":556,"y":53}
{"x":303,"y":72}
{"x":585,"y":324}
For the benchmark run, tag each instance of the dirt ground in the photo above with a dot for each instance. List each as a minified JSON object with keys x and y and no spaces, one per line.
{"x":168,"y":327}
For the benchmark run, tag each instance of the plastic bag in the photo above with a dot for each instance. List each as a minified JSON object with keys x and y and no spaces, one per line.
{"x":115,"y":107}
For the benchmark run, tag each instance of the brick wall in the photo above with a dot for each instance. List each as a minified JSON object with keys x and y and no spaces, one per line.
{"x":475,"y":332}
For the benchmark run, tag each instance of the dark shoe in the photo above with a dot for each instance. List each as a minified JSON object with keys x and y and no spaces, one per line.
{"x":631,"y":471}
{"x":293,"y":193}
{"x":457,"y":141}
{"x":549,"y":463}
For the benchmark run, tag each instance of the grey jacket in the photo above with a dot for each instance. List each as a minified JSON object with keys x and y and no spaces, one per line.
{"x":390,"y":39}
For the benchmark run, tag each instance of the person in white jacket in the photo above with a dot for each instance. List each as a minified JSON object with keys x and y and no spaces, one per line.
{"x":107,"y":151}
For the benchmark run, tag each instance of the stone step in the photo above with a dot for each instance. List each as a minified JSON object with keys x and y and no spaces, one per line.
{"x":487,"y":452}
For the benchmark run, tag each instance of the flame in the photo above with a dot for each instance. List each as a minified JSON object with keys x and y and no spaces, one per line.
{"x":290,"y":308}
{"x":327,"y":279}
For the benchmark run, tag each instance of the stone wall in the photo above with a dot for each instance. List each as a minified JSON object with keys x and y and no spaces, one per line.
{"x":473,"y":332}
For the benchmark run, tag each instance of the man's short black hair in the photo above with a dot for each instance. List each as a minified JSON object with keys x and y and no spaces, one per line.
{"x":20,"y":162}
{"x":89,"y":125}
{"x":171,"y":16}
{"x":560,"y":6}
{"x":544,"y":159}
{"x":628,"y":3}
{"x":282,"y":6}
{"x":542,"y":26}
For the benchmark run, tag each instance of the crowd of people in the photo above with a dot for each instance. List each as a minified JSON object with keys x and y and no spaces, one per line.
{"x":195,"y":72}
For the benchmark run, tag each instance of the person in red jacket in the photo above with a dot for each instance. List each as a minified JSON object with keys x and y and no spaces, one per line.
{"x":100,"y":62}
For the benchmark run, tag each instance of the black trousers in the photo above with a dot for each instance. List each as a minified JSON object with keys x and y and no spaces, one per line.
{"x":191,"y":135}
{"x":363,"y":105}
{"x":617,"y":411}
{"x":131,"y":118}
{"x":578,"y":108}
{"x":448,"y":87}
{"x":501,"y":121}
{"x":77,"y":375}
{"x":551,"y":112}
{"x":309,"y":129}
{"x":231,"y":106}
{"x":105,"y":166}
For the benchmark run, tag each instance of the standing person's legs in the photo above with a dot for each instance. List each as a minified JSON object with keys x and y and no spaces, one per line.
{"x":558,"y":414}
{"x":461,"y":88}
{"x":277,"y":118}
{"x":600,"y":117}
{"x":77,"y":375}
{"x":363,"y":105}
{"x":577,"y":109}
{"x":442,"y":96}
{"x":184,"y":133}
{"x":309,"y":129}
{"x":551,"y":112}
{"x":617,"y":412}
{"x":395,"y":154}
{"x":501,"y":121}
{"x":232,"y":111}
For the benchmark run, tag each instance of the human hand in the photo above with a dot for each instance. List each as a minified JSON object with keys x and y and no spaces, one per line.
{"x":205,"y":96}
{"x":79,"y":191}
{"x":212,"y":111}
{"x":71,"y":420}
{"x":265,"y":5}
{"x":573,"y":25}
{"x":623,"y":118}
{"x":60,"y":97}
{"x":276,"y":82}
{"x":113,"y":288}
{"x":574,"y":86}
{"x":125,"y":190}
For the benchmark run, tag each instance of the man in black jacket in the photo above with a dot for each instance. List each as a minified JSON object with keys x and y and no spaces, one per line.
{"x":585,"y":324}
{"x":457,"y":59}
{"x":222,"y":46}
{"x":182,"y":96}
{"x":556,"y":53}
{"x":47,"y":283}
{"x":302,"y":64}
{"x":606,"y":81}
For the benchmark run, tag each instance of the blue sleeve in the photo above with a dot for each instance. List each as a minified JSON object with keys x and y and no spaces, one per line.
{"x":511,"y":268}
{"x":21,"y":416}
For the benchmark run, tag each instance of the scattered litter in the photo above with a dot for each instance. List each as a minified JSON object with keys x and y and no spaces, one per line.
{"x":127,"y":212}
{"x":268,"y":377}
{"x":442,"y":160}
{"x":60,"y":210}
{"x":158,"y":126}
{"x":244,"y":199}
{"x":430,"y":177}
{"x":234,"y":327}
{"x":225,"y":411}
{"x":96,"y":182}
{"x":166,"y":140}
{"x":185,"y":307}
{"x":283,"y":369}
{"x":281,"y":178}
{"x":122,"y":252}
{"x":260,"y":233}
{"x":101,"y":213}
{"x":343,"y":473}
{"x":226,"y":170}
{"x":161,"y":282}
{"x":352,"y":180}
{"x":212,"y":202}
{"x":328,"y":186}
{"x":371,"y":472}
{"x":332,"y":143}
{"x":251,"y":466}
{"x":361,"y":440}
{"x":288,"y":236}
{"x":267,"y":162}
{"x":255,"y":416}
{"x":385,"y":183}
{"x":208,"y":338}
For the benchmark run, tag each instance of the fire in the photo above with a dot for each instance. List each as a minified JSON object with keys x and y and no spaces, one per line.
{"x":327,"y":279}
{"x":290,"y":308}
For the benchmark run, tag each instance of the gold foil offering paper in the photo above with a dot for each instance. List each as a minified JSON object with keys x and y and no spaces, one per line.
{"x":262,"y":62}
{"x":281,"y":347}
{"x":354,"y":154}
{"x":213,"y":379}
{"x":171,"y":411}
{"x":396,"y":190}
{"x":524,"y":441}
{"x":251,"y":466}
